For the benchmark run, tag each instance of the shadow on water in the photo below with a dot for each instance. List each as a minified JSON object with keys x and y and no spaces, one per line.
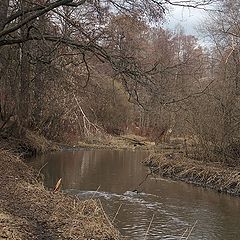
{"x":176,"y":206}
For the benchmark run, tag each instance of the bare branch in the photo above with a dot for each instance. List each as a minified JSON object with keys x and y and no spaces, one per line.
{"x":40,"y":11}
{"x":189,"y":96}
{"x":192,"y":4}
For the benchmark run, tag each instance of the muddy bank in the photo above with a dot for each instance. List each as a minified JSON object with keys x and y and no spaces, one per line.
{"x":216,"y":176}
{"x":28,"y":211}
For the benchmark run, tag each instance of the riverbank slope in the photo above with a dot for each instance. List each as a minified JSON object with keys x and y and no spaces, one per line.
{"x":28,"y":211}
{"x":214,"y":175}
{"x":169,"y":161}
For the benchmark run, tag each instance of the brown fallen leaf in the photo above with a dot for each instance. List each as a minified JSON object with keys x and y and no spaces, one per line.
{"x":58,"y":186}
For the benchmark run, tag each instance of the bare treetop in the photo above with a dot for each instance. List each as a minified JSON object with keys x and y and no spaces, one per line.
{"x":16,"y":17}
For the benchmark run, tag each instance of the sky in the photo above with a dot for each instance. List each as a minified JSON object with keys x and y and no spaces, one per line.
{"x":189,"y":18}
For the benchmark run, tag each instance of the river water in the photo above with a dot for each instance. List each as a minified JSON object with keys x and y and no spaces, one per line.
{"x":175,"y":208}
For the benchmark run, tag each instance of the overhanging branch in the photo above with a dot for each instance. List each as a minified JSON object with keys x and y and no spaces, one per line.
{"x":40,"y":10}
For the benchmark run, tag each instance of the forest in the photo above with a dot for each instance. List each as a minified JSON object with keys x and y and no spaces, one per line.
{"x":76,"y":72}
{"x":73,"y":69}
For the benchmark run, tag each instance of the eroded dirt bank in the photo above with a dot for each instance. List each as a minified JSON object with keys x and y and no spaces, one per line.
{"x":28,"y":211}
{"x":216,"y":176}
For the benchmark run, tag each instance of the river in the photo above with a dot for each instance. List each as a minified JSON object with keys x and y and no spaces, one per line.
{"x":175,"y":208}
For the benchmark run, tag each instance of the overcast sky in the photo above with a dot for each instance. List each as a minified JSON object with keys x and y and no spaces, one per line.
{"x":189,"y":18}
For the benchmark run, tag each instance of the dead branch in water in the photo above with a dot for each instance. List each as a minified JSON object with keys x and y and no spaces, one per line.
{"x":189,"y":232}
{"x":149,"y":226}
{"x":95,"y":192}
{"x":117,"y":212}
{"x":151,"y":173}
{"x":144,"y":180}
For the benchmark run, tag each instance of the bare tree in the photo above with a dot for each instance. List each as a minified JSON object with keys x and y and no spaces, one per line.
{"x":68,"y":40}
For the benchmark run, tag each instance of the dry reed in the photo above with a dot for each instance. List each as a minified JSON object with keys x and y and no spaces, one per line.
{"x":149,"y":226}
{"x":42,"y":214}
{"x":220,"y":178}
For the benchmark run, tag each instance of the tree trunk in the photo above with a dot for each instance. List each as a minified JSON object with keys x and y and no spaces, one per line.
{"x":3,"y":12}
{"x":41,"y":72}
{"x":24,"y":95}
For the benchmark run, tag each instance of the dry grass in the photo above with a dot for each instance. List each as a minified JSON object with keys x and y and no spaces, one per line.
{"x":28,"y":211}
{"x":212,"y":175}
{"x":117,"y":142}
{"x":29,"y":142}
{"x":39,"y":143}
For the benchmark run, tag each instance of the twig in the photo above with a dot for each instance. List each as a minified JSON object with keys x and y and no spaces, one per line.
{"x":191,"y":230}
{"x":105,"y":215}
{"x":95,"y":192}
{"x":117,"y":212}
{"x":183,"y":235}
{"x":149,"y":227}
{"x":145,"y":178}
{"x":87,"y":124}
{"x":231,"y":52}
{"x":41,"y":169}
{"x":189,"y":96}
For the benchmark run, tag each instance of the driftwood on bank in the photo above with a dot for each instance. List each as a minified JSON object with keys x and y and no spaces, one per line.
{"x":133,"y":141}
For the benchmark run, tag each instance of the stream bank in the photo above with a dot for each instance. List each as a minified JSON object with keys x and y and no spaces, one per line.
{"x":169,"y":160}
{"x":28,"y":211}
{"x":112,"y":175}
{"x":127,"y":141}
{"x":214,"y":175}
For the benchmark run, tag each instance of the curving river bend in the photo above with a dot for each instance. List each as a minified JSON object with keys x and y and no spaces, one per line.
{"x":176,"y":206}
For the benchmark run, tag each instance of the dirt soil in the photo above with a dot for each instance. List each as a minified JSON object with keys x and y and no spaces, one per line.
{"x":28,"y":211}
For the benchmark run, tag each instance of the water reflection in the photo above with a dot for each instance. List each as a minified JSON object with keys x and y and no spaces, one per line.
{"x":176,"y":206}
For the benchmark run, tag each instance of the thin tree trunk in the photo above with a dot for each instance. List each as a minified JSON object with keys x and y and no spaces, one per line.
{"x":41,"y":72}
{"x":3,"y":12}
{"x":24,"y":96}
